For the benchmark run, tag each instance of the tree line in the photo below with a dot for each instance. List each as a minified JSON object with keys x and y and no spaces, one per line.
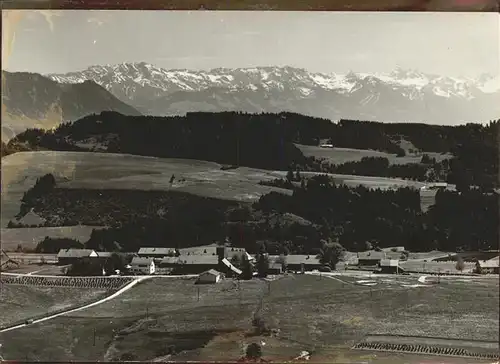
{"x":317,"y":211}
{"x":268,"y":141}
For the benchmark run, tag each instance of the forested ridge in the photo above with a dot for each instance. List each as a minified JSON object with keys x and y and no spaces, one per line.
{"x":267,"y":141}
{"x":318,"y":210}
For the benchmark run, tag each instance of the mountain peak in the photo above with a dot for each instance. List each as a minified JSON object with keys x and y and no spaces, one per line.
{"x":401,"y":73}
{"x":400,"y":95}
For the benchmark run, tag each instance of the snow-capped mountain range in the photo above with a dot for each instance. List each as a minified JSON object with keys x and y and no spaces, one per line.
{"x":402,"y":95}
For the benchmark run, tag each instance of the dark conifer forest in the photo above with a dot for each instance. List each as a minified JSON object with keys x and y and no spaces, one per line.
{"x":318,"y":210}
{"x":268,"y":141}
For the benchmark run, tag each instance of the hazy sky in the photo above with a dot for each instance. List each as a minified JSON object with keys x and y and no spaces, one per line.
{"x":452,"y":44}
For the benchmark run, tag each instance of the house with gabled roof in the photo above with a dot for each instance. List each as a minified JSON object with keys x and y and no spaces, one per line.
{"x":210,"y":276}
{"x":370,"y":258}
{"x":488,"y":266}
{"x":140,"y":265}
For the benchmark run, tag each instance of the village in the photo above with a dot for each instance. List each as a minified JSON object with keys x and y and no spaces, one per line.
{"x":211,"y":263}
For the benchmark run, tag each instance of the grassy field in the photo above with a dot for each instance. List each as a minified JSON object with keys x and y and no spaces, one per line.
{"x":30,"y":237}
{"x":19,"y":302}
{"x":104,"y":170}
{"x":324,"y":315}
{"x":343,"y":155}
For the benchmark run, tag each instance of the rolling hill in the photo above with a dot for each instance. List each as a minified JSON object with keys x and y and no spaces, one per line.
{"x":30,"y":100}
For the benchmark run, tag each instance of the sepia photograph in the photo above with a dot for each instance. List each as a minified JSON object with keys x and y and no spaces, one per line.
{"x":250,"y":186}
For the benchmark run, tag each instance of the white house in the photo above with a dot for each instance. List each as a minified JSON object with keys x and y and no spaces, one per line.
{"x":142,"y":265}
{"x":389,"y":266}
{"x":210,"y":276}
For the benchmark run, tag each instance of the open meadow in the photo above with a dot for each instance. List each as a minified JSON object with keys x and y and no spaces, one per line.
{"x":326,"y":315}
{"x":20,"y":302}
{"x":28,"y":238}
{"x":344,"y":155}
{"x":112,"y":171}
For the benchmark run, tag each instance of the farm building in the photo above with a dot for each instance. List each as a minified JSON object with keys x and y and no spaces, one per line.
{"x":370,"y":258}
{"x":189,"y":264}
{"x":275,"y":268}
{"x":487,"y":266}
{"x":156,"y":253}
{"x":390,"y":266}
{"x":394,"y":249}
{"x":299,"y":263}
{"x":142,"y":265}
{"x":31,"y":219}
{"x":437,"y":185}
{"x":70,"y":256}
{"x":209,"y":277}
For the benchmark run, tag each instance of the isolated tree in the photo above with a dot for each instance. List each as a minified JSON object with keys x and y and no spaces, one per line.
{"x":254,"y":351}
{"x":282,"y":260}
{"x":262,"y":265}
{"x":303,"y":184}
{"x":368,"y":246}
{"x":331,"y":253}
{"x":236,"y":261}
{"x":172,"y":179}
{"x":246,"y":268}
{"x":460,"y":264}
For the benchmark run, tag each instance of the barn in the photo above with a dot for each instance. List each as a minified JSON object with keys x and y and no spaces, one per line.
{"x":299,"y":263}
{"x":370,"y":258}
{"x":487,"y":266}
{"x":71,"y":256}
{"x":156,"y":253}
{"x":211,"y":276}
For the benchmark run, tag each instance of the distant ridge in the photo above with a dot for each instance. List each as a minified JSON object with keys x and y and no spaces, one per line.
{"x":401,"y":95}
{"x":30,"y":100}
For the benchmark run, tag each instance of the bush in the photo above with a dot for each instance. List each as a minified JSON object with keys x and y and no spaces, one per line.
{"x":254,"y":351}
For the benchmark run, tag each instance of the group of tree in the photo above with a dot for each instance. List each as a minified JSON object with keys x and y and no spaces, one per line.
{"x":51,"y":245}
{"x":97,"y":266}
{"x":42,"y":187}
{"x":317,"y":211}
{"x":267,"y":141}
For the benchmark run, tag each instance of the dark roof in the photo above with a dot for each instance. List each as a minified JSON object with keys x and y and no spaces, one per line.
{"x":192,"y":259}
{"x":199,"y":259}
{"x":104,"y":254}
{"x":141,"y":261}
{"x":299,"y":259}
{"x":155,"y":251}
{"x":371,"y":255}
{"x":74,"y":253}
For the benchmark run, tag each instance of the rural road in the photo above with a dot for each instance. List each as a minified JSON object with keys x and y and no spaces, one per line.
{"x":32,"y":274}
{"x":110,"y":297}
